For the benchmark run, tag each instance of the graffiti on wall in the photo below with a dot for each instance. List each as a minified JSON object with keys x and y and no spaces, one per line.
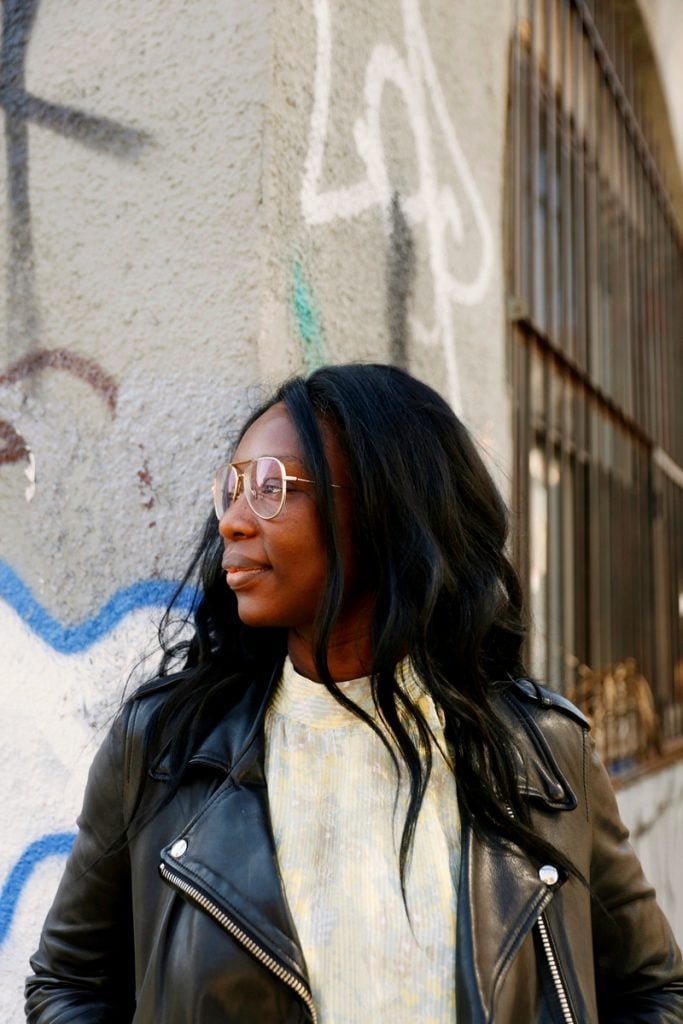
{"x":308,"y":320}
{"x":55,"y":844}
{"x":59,"y":668}
{"x":22,"y":108}
{"x":13,"y":446}
{"x":401,"y":267}
{"x":71,"y":677}
{"x":434,"y":205}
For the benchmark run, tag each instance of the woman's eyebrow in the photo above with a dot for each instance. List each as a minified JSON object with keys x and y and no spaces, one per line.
{"x":271,"y":455}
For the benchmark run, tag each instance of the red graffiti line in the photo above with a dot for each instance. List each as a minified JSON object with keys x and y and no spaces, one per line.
{"x":86,"y":369}
{"x":13,"y":448}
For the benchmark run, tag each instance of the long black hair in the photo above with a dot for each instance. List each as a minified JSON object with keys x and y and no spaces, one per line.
{"x":431,"y":530}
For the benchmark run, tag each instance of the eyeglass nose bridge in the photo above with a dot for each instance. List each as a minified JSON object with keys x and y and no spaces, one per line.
{"x":222,"y":503}
{"x":243,"y":485}
{"x":240,"y":487}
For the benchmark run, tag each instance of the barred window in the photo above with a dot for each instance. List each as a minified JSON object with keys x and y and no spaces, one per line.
{"x":596,"y":363}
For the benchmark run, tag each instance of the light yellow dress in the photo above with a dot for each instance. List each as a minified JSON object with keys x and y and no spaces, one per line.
{"x":337,"y":820}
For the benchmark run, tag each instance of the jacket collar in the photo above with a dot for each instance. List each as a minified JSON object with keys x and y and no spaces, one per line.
{"x":236,"y":741}
{"x":539,"y":776}
{"x":231,"y":745}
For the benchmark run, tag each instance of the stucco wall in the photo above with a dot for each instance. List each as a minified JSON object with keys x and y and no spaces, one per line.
{"x":662,"y":19}
{"x":130,"y":272}
{"x":652,"y":808}
{"x":387,"y":128}
{"x":204,"y":196}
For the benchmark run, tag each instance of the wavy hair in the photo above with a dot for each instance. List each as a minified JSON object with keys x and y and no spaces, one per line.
{"x":432,"y":530}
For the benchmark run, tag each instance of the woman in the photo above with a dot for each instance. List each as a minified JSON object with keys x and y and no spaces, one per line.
{"x":348,"y":804}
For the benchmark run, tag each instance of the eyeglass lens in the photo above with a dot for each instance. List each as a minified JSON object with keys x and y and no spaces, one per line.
{"x":264,"y":487}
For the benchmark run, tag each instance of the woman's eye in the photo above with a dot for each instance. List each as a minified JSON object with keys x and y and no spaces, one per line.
{"x":271,"y":488}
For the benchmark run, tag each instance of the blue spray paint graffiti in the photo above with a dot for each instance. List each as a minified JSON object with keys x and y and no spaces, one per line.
{"x":308,"y":321}
{"x":57,"y":844}
{"x":69,"y":640}
{"x":72,"y":639}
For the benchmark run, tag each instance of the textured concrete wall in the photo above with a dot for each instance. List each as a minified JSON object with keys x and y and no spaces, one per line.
{"x":652,"y":808}
{"x":663,"y":21}
{"x":202,"y":196}
{"x":131,"y":235}
{"x":387,"y":128}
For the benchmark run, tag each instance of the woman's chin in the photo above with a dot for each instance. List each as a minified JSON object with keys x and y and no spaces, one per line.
{"x":253,"y":613}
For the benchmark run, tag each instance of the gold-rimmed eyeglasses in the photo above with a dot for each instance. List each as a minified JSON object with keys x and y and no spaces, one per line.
{"x":264,"y":482}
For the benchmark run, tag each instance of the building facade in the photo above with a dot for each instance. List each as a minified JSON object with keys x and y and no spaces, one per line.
{"x":202,"y":198}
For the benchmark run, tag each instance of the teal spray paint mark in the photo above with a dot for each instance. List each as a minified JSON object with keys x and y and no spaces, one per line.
{"x":308,"y":321}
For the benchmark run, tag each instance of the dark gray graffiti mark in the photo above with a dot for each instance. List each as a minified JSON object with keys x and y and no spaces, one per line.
{"x":22,"y":108}
{"x":13,"y":448}
{"x":400,"y":280}
{"x":22,"y":313}
{"x":88,"y":370}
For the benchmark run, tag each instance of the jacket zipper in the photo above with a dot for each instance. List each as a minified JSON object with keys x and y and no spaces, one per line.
{"x":550,"y":956}
{"x":567,"y":1014}
{"x":245,"y":940}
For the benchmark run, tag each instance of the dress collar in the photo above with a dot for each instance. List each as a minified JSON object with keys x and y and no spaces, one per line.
{"x":310,"y":703}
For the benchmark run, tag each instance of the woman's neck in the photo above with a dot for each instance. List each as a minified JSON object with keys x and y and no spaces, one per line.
{"x":349,"y":655}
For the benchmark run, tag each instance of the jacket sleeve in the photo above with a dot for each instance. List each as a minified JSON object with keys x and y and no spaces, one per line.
{"x":83,"y":968}
{"x":639,"y":973}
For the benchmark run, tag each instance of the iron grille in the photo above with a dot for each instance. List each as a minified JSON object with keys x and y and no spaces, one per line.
{"x":596,"y":364}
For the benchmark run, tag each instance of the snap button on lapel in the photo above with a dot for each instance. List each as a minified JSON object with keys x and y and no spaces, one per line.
{"x":179,"y":847}
{"x":556,"y":791}
{"x":548,"y":874}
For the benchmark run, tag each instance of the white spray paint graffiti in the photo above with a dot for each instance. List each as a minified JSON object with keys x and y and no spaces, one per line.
{"x":433,"y":205}
{"x":53,"y":735}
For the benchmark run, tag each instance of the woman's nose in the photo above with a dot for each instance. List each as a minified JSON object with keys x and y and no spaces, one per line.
{"x":238,"y":520}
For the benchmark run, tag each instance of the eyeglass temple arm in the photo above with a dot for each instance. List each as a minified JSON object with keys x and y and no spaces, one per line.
{"x":304,"y":480}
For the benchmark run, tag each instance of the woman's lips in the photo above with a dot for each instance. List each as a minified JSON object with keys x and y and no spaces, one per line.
{"x":238,"y":576}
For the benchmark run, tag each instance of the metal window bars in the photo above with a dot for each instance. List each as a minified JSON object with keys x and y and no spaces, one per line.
{"x":596,"y":361}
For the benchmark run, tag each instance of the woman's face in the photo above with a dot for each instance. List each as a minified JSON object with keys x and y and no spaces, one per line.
{"x":277,"y":568}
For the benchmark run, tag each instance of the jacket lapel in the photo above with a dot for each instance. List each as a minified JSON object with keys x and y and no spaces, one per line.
{"x":230,"y":851}
{"x":227,"y":853}
{"x":500,"y":894}
{"x":500,"y":897}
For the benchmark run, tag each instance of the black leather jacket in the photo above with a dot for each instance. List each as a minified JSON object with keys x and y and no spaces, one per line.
{"x":187,"y":923}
